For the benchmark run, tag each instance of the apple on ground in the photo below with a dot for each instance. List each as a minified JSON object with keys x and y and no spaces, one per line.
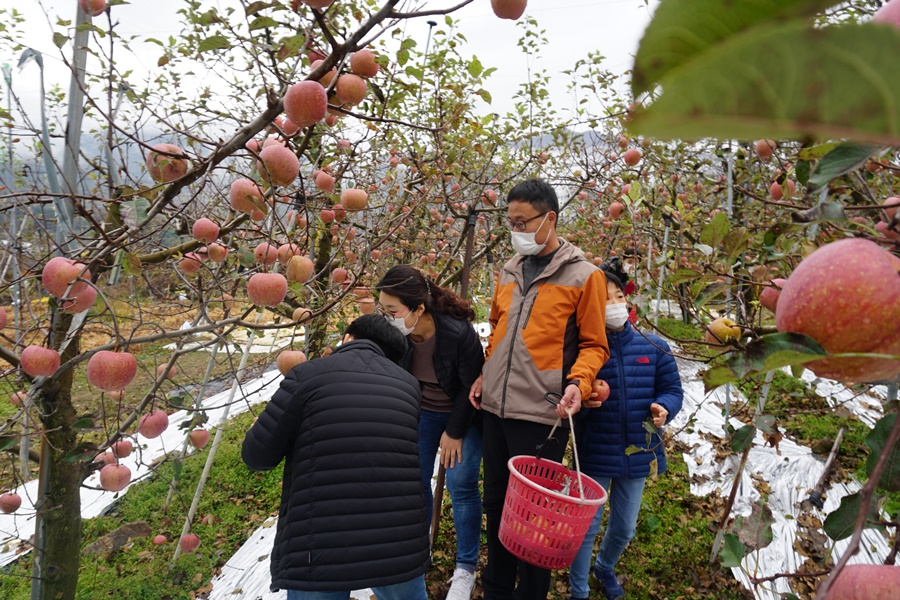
{"x":844,"y":296}
{"x":190,"y":543}
{"x":159,"y":540}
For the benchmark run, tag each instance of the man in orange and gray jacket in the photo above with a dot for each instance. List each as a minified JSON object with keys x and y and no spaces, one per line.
{"x":548,"y":334}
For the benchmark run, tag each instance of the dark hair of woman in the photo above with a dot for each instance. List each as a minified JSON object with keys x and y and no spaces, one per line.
{"x":614,"y":272}
{"x":413,"y":288}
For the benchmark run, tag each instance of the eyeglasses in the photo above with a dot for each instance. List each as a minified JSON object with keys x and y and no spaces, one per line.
{"x":520,"y":225}
{"x":388,"y":314}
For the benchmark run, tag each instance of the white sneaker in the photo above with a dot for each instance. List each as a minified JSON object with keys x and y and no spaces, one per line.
{"x":461,"y":585}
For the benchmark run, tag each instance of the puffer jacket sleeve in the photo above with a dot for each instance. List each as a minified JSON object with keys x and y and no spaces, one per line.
{"x":471,"y":359}
{"x":270,"y":439}
{"x":667,"y":388}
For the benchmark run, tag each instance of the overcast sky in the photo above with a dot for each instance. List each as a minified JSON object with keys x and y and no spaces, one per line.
{"x":573,"y":27}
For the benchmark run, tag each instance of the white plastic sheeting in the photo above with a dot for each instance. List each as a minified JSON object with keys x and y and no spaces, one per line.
{"x":791,"y":472}
{"x":17,"y":528}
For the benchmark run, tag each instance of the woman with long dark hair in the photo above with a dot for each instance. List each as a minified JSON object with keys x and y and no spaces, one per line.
{"x":446,"y":356}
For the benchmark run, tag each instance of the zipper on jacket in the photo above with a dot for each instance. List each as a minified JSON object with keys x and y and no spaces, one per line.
{"x":623,"y":411}
{"x":512,"y":345}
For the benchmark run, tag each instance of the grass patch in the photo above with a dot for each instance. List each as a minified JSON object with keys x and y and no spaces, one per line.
{"x":238,"y":499}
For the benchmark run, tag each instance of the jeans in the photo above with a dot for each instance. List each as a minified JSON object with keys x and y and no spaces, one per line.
{"x":414,"y":589}
{"x":503,"y":439}
{"x":462,"y":483}
{"x":624,"y":505}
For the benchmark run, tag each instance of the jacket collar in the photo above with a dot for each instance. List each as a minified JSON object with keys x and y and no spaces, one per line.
{"x":566,"y":253}
{"x":623,"y":336}
{"x":359,"y":345}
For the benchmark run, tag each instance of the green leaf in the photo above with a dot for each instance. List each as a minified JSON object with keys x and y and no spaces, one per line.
{"x":732,"y":551}
{"x":709,"y":293}
{"x":256,"y":7}
{"x":59,"y":40}
{"x":797,"y":371}
{"x":290,"y":46}
{"x":682,"y":30}
{"x":634,"y":191}
{"x":216,"y":42}
{"x":802,"y":169}
{"x":843,"y":159}
{"x":654,"y":469}
{"x":475,"y":67}
{"x":817,"y":151}
{"x":841,"y":523}
{"x":827,"y":211}
{"x":682,"y":276}
{"x":634,"y":450}
{"x":86,"y":422}
{"x":485,"y":95}
{"x":414,"y":72}
{"x":758,"y":84}
{"x":876,"y":441}
{"x":767,"y":353}
{"x":755,"y":530}
{"x":743,"y":438}
{"x":716,"y":230}
{"x":131,"y":264}
{"x":8,"y":442}
{"x":736,"y":242}
{"x":650,"y":428}
{"x":262,"y":23}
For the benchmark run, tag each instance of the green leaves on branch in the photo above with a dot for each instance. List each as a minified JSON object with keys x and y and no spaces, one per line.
{"x":842,"y":159}
{"x":876,"y":441}
{"x":682,"y":30}
{"x":767,"y":353}
{"x":753,"y":68}
{"x":216,"y":42}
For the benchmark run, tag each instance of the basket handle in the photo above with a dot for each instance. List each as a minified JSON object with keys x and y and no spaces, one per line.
{"x":550,"y":397}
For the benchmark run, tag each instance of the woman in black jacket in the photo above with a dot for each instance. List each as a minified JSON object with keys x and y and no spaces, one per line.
{"x":446,"y":356}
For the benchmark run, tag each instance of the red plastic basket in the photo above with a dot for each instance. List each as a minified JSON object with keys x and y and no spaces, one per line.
{"x":544,"y":518}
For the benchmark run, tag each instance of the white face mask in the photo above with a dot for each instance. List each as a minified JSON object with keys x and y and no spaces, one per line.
{"x":400,"y":324}
{"x":524,"y":242}
{"x":629,"y":268}
{"x":616,"y":315}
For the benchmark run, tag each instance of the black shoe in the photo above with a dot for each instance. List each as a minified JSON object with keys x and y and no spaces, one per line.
{"x":609,"y":584}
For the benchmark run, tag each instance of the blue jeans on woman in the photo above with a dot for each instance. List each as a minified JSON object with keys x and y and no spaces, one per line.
{"x":462,"y":483}
{"x":414,"y":589}
{"x":624,"y":505}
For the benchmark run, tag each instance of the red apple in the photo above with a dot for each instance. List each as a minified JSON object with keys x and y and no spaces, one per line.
{"x":632,"y":157}
{"x":190,"y":263}
{"x":267,"y":289}
{"x":163,"y":168}
{"x":111,"y":371}
{"x":600,"y":391}
{"x":79,"y":301}
{"x":10,"y":502}
{"x":278,"y":165}
{"x":509,"y":9}
{"x":93,"y":8}
{"x":199,"y":438}
{"x":205,"y":230}
{"x":38,"y":361}
{"x":301,"y":314}
{"x":354,"y":199}
{"x":115,"y":478}
{"x":190,"y":543}
{"x":299,"y":268}
{"x":891,"y":204}
{"x":122,"y":448}
{"x":18,"y":398}
{"x":615,"y":210}
{"x":324,"y":181}
{"x":350,"y":89}
{"x":245,"y":196}
{"x":288,"y":359}
{"x":159,"y":540}
{"x":266,"y":254}
{"x":305,"y":103}
{"x":765,"y":149}
{"x":769,"y":295}
{"x":326,"y":215}
{"x":866,"y":582}
{"x":162,"y":373}
{"x":844,"y":296}
{"x":287,"y":251}
{"x":339,"y":275}
{"x":363,"y":63}
{"x":889,"y":14}
{"x":59,"y":272}
{"x":153,"y":424}
{"x":216,"y":252}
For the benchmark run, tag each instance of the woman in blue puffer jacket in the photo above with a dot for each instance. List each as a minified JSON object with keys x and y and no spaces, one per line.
{"x":644,"y":386}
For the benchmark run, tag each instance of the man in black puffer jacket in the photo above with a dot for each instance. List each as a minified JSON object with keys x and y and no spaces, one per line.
{"x":352,"y":510}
